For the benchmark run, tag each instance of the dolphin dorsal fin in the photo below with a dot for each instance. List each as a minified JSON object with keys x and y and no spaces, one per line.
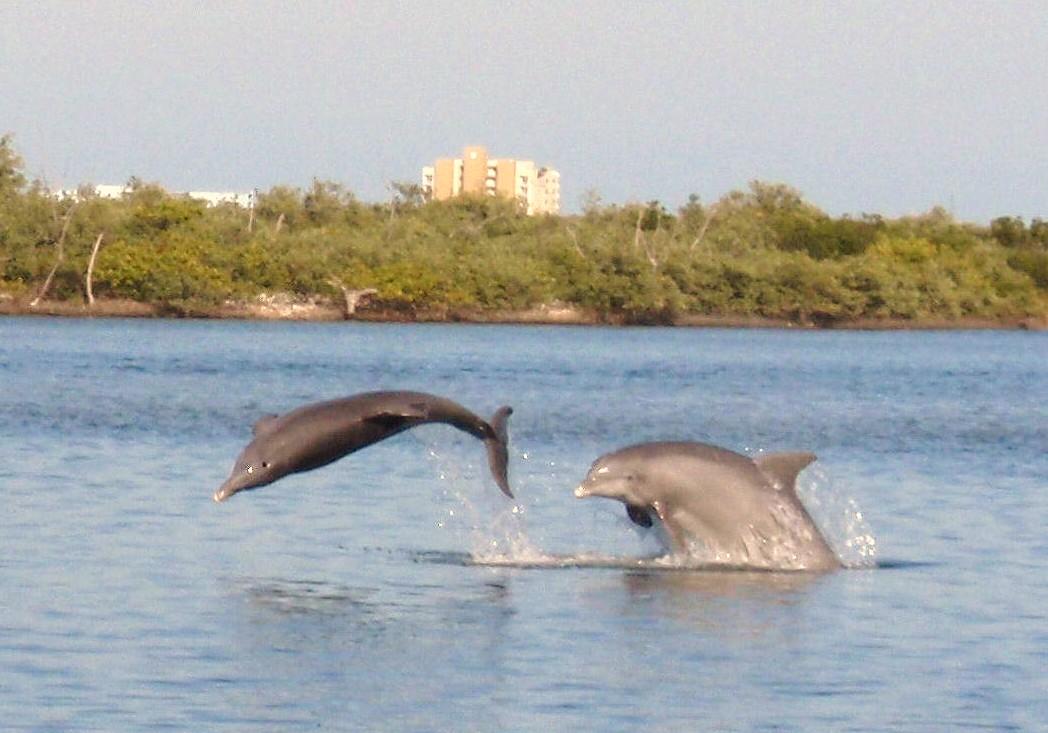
{"x":264,"y":424}
{"x":782,"y":468}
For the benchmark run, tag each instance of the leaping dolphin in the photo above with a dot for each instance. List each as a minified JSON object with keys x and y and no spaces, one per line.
{"x":744,"y":511}
{"x":317,"y":434}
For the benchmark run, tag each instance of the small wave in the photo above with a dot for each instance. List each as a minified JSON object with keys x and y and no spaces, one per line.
{"x":580,"y":561}
{"x":901,"y":565}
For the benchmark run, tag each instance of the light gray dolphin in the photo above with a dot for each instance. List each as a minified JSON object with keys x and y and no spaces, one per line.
{"x":743,"y":511}
{"x":317,"y":434}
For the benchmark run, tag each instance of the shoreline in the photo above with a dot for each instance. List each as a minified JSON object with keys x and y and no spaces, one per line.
{"x":324,"y":312}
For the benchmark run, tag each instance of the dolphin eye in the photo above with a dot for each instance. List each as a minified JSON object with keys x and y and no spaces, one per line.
{"x":265,"y":465}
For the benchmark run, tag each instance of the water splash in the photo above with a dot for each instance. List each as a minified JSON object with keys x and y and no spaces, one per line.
{"x":497,"y":533}
{"x":490,"y":530}
{"x":839,"y":517}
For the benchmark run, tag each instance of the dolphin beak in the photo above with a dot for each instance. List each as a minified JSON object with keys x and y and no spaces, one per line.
{"x":581,"y":492}
{"x":225,"y":491}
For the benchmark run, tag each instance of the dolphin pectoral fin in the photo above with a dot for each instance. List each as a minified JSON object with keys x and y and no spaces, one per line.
{"x":638,"y":515}
{"x":417,"y":409}
{"x":395,"y":419}
{"x":497,"y":447}
{"x":264,"y":424}
{"x":678,"y":541}
{"x":413,"y":410}
{"x":386,"y":420}
{"x":782,"y":468}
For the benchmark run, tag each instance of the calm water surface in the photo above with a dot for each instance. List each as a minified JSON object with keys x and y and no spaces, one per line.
{"x":350,"y":599}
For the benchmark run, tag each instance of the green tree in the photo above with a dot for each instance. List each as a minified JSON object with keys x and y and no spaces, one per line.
{"x":281,"y":205}
{"x":12,"y":180}
{"x":1009,"y":231}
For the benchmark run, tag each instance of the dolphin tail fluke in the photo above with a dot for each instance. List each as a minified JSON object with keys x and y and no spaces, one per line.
{"x":497,"y":445}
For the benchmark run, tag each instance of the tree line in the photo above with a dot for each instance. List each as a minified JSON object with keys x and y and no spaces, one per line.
{"x":759,"y":252}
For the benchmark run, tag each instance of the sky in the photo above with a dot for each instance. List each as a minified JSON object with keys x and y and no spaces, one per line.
{"x":865,"y":107}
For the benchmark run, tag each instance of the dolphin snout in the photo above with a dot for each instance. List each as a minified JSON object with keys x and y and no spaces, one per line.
{"x":581,"y":492}
{"x":224,"y":491}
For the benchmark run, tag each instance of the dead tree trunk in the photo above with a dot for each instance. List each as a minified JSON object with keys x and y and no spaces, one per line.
{"x":91,"y":270}
{"x":710,"y":213}
{"x":575,"y":241}
{"x":59,"y":258}
{"x":280,"y":224}
{"x":651,"y":251}
{"x":352,"y":298}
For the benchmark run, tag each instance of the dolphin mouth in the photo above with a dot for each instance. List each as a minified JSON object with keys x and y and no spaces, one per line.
{"x":224,"y":492}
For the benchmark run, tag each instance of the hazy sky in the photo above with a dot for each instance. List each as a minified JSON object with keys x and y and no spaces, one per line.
{"x":886,"y":107}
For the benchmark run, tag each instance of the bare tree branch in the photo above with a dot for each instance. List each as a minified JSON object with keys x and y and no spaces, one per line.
{"x":575,"y":241}
{"x":91,"y":269}
{"x":59,"y":258}
{"x":650,"y":252}
{"x":653,"y":260}
{"x":712,"y":212}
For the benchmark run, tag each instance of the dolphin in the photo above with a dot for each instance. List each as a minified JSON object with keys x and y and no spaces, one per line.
{"x":320,"y":433}
{"x":743,"y":511}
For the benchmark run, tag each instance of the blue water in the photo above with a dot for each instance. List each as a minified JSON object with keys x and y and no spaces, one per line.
{"x":351,"y":598}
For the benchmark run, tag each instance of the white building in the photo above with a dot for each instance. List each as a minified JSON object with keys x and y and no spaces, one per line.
{"x":214,"y":198}
{"x":211,"y":198}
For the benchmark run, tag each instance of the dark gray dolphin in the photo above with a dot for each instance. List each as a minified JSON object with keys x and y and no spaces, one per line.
{"x":745,"y":511}
{"x":317,"y":434}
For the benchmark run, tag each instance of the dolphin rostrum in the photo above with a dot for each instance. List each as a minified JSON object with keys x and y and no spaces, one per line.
{"x":317,"y":434}
{"x":743,"y":511}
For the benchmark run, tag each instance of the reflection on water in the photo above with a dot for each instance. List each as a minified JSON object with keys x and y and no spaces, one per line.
{"x":304,"y":596}
{"x":727,"y":604}
{"x":718,"y":583}
{"x":717,"y":599}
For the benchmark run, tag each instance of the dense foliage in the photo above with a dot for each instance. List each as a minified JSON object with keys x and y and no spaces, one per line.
{"x":760,"y":252}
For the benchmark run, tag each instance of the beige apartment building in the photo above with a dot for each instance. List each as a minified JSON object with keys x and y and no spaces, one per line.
{"x":538,"y":189}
